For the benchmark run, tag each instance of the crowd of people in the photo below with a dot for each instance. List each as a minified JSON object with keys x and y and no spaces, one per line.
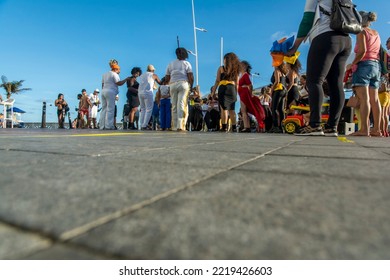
{"x":173,"y":103}
{"x":176,"y":105}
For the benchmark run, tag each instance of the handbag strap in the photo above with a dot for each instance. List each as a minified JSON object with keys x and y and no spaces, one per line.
{"x":325,"y":12}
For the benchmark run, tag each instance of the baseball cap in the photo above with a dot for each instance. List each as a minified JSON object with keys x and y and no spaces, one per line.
{"x":151,"y":67}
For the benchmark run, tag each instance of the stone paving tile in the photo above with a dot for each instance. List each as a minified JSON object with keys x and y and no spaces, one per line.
{"x":340,"y":151}
{"x":311,"y":166}
{"x":317,"y":141}
{"x":255,"y":215}
{"x":373,"y":142}
{"x":252,"y":146}
{"x":383,"y":150}
{"x":53,"y":194}
{"x":87,"y":145}
{"x":138,"y":142}
{"x":345,"y":140}
{"x":174,"y":196}
{"x":15,"y":244}
{"x":66,"y":252}
{"x":190,"y":158}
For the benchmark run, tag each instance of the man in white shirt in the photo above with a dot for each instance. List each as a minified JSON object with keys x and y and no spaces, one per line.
{"x":94,"y":98}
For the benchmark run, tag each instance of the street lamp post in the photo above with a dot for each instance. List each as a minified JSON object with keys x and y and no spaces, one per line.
{"x":221,"y":51}
{"x":196,"y":44}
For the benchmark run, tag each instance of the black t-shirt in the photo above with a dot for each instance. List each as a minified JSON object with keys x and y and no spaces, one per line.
{"x":134,"y":86}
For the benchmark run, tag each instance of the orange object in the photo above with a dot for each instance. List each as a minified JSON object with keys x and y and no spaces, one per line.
{"x":277,"y":59}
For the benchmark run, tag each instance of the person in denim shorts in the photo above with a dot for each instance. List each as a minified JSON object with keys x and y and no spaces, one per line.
{"x":366,"y":76}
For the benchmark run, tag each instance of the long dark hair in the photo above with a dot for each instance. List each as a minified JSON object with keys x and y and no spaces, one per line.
{"x":283,"y":68}
{"x":246,"y":66}
{"x":232,"y":66}
{"x":296,"y":67}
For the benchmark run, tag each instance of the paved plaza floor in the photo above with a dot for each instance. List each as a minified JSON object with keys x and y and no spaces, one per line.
{"x":87,"y":194}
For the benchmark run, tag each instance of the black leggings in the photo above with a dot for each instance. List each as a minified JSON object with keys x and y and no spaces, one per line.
{"x":327,"y":58}
{"x":292,"y":95}
{"x":277,"y":107}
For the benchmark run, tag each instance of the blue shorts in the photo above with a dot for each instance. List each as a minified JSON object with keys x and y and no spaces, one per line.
{"x":367,"y":74}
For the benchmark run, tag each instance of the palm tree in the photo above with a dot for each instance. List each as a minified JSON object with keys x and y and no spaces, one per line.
{"x":12,"y":87}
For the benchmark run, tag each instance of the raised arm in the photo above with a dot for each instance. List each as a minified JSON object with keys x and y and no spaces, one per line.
{"x":305,"y":25}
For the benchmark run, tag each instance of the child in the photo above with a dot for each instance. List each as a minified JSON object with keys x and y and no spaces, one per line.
{"x":163,"y":99}
{"x":155,"y":115}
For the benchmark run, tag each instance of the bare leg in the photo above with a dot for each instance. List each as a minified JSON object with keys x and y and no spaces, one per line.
{"x":385,"y":120}
{"x":362,"y":94}
{"x":376,"y":111}
{"x":232,"y":115}
{"x":244,"y":115}
{"x":88,"y":121}
{"x":132,"y":114}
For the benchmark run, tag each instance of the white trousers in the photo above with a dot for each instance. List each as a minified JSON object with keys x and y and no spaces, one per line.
{"x":146,"y":104}
{"x":179,"y":97}
{"x":108,"y":110}
{"x":93,"y":112}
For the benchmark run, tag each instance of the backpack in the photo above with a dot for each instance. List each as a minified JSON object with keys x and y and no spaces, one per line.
{"x":384,"y":61}
{"x":344,"y":17}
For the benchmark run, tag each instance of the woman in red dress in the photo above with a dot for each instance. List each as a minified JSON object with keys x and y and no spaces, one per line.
{"x":249,"y":103}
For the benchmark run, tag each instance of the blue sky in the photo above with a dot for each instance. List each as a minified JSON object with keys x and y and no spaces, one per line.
{"x":64,"y":46}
